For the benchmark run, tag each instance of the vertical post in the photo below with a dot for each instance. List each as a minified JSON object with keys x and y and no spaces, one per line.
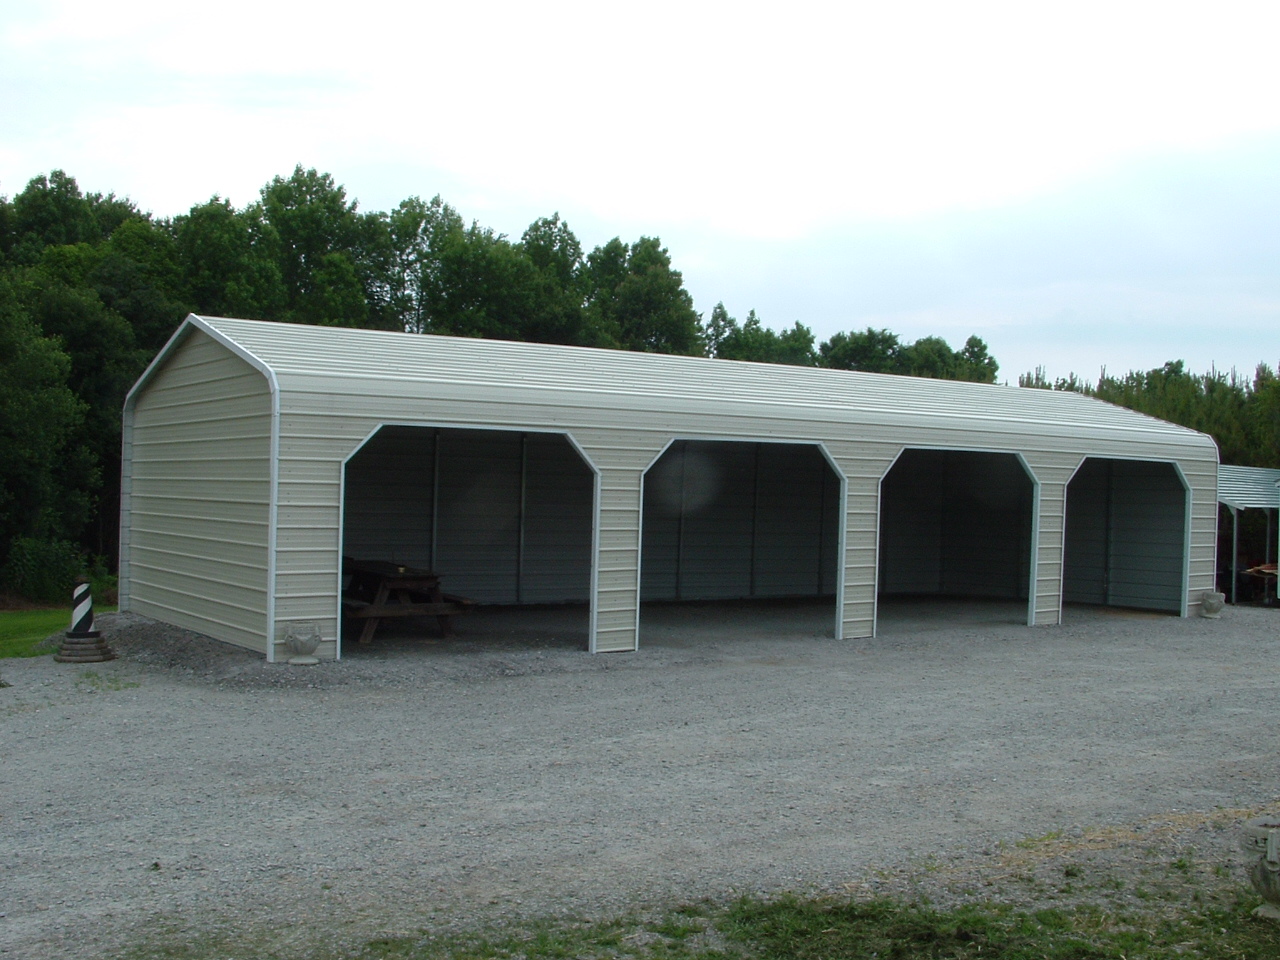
{"x":684,"y":451}
{"x":82,"y":611}
{"x":524,"y":496}
{"x":83,"y":644}
{"x":755,"y":517}
{"x":1235,"y":551}
{"x":1109,"y":542}
{"x":822,"y":519}
{"x":435,"y":498}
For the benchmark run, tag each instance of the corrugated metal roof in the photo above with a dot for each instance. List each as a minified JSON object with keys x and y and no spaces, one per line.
{"x":1248,"y":488}
{"x":648,"y":381}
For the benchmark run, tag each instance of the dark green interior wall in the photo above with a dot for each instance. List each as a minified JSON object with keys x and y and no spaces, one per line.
{"x":726,"y":520}
{"x":956,"y":523}
{"x":1125,"y":535}
{"x":504,"y":517}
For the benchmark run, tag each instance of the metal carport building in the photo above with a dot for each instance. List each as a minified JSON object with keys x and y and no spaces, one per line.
{"x":1248,"y":488}
{"x":255,"y":454}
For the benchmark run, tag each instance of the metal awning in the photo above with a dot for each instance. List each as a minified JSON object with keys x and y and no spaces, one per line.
{"x":1248,"y":488}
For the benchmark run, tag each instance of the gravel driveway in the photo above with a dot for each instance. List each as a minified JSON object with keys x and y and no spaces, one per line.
{"x":189,"y":785}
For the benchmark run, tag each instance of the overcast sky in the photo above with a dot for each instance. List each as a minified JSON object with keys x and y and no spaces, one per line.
{"x":1081,"y":184}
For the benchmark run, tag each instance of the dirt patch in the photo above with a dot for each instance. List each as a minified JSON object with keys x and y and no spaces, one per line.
{"x":188,"y":785}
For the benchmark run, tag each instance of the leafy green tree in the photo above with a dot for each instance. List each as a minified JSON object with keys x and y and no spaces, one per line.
{"x":410,"y":265}
{"x":1263,"y":418}
{"x":756,"y":342}
{"x":39,"y":416}
{"x":871,"y":351}
{"x":319,"y":235}
{"x":138,"y":275}
{"x":7,"y":238}
{"x":228,"y":261}
{"x":557,"y":310}
{"x":638,"y":302}
{"x":720,"y":326}
{"x":105,"y":362}
{"x":484,"y":287}
{"x":930,"y":357}
{"x":879,"y":351}
{"x":51,"y":211}
{"x":975,"y":362}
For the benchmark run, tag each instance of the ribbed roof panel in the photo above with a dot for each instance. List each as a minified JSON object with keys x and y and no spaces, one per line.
{"x":647,"y":381}
{"x":1248,"y":488}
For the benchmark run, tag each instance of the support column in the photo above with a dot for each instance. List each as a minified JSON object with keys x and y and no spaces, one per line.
{"x":620,"y":461}
{"x":1053,"y":472}
{"x":861,"y":467}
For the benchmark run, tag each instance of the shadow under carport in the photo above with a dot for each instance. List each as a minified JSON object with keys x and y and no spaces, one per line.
{"x":901,"y":616}
{"x":486,"y":628}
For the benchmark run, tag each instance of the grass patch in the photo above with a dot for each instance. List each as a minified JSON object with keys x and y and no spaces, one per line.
{"x":22,"y":632}
{"x":795,"y":928}
{"x":90,"y":681}
{"x":809,"y":930}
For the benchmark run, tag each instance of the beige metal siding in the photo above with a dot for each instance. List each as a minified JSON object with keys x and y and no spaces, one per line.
{"x":198,"y":464}
{"x":1201,"y":475}
{"x":863,"y":464}
{"x":337,"y":386}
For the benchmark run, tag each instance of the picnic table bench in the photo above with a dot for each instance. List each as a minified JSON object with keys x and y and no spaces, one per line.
{"x":377,"y":589}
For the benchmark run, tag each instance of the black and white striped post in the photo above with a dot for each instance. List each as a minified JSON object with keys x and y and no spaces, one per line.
{"x":83,"y":644}
{"x":82,"y":612}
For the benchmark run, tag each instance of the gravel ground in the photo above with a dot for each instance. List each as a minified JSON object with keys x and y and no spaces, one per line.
{"x":190,"y":787}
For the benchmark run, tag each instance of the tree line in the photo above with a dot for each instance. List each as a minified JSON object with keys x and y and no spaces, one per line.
{"x":91,"y":288}
{"x":1241,"y":413}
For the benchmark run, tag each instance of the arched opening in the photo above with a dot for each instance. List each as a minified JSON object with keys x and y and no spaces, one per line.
{"x":956,"y":530}
{"x":737,"y":526}
{"x":502,"y":518}
{"x":1126,"y":533}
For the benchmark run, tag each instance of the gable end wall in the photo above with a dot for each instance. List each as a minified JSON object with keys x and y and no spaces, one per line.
{"x":196,"y":504}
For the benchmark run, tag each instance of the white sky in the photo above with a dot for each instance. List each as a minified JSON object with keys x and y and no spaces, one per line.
{"x":1081,"y":184}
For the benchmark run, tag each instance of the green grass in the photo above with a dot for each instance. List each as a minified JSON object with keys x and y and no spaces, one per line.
{"x":21,"y":631}
{"x":795,"y":928}
{"x":811,"y":930}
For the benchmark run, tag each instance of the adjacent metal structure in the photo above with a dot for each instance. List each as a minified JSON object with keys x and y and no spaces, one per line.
{"x":1247,"y":488}
{"x":256,"y":453}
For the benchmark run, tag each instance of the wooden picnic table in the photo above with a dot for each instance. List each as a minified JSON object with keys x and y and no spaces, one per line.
{"x":1266,"y":572}
{"x":378,"y":589}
